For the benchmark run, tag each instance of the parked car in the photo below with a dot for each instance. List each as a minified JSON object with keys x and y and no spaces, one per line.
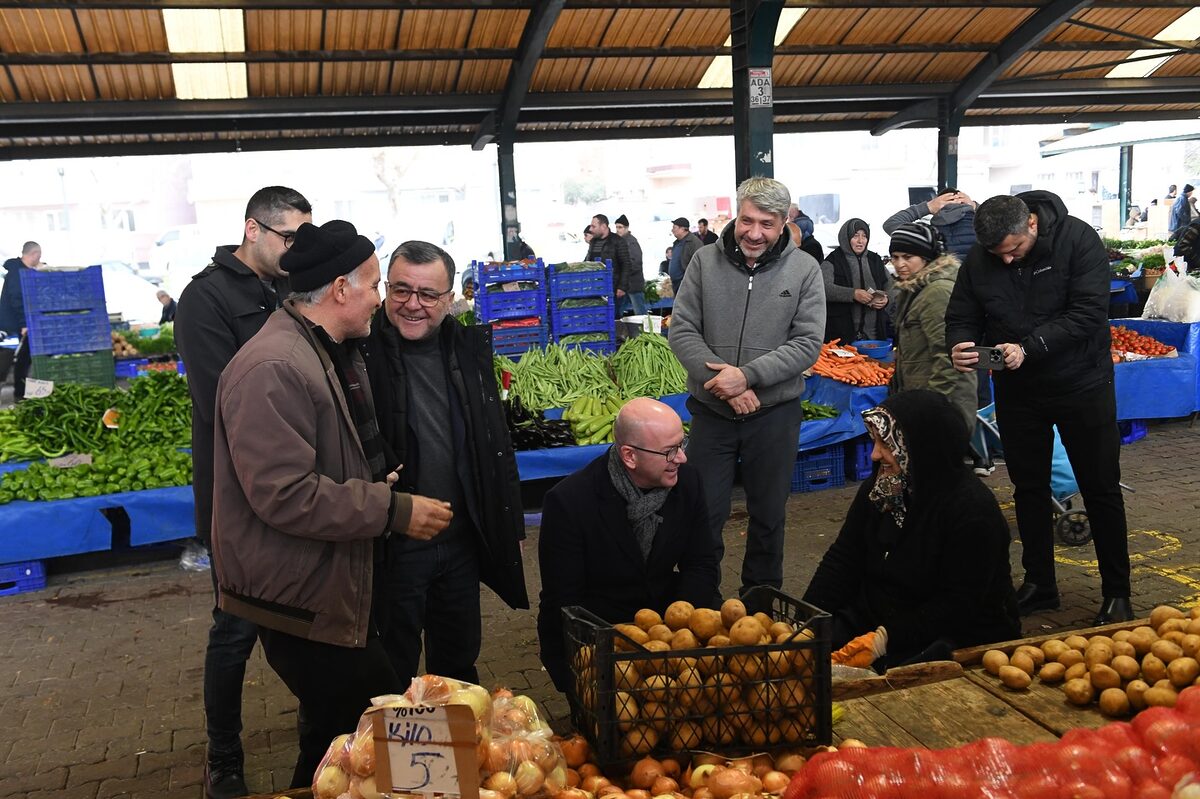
{"x":128,"y":294}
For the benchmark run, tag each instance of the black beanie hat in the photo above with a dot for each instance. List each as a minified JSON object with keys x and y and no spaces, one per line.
{"x":916,"y":238}
{"x":319,"y":255}
{"x":622,"y":220}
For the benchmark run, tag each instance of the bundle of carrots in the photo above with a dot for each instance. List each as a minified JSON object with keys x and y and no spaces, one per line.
{"x":857,"y":369}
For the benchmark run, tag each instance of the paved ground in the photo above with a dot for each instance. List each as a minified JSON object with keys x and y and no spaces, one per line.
{"x":100,"y":674}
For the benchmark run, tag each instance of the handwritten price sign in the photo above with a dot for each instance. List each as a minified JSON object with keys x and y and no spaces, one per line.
{"x":427,"y":751}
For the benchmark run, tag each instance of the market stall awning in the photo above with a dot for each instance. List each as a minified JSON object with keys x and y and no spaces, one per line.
{"x":1125,"y":134}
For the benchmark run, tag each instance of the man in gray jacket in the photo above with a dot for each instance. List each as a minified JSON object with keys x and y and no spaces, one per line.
{"x":745,"y":348}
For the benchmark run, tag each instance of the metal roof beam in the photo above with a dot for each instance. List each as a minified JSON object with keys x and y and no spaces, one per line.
{"x":503,"y":120}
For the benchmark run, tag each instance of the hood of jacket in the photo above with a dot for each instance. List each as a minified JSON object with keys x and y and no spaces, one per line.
{"x":952,"y":213}
{"x":1050,"y":210}
{"x":782,"y":246}
{"x":944,"y":267}
{"x":13,"y":264}
{"x":936,"y":436}
{"x":847,"y":230}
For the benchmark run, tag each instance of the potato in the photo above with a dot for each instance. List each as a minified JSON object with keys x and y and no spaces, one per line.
{"x":647,"y":618}
{"x":678,"y":614}
{"x":1160,"y":697}
{"x":731,"y":611}
{"x":1022,"y":661}
{"x":722,"y":688}
{"x":779,"y":664}
{"x":1194,"y":612}
{"x":749,"y":668}
{"x":1121,"y":635}
{"x":1126,"y":666}
{"x":746,"y":631}
{"x":1125,"y":648}
{"x":690,"y":687}
{"x":1174,"y":636}
{"x":1079,"y":691}
{"x":1104,"y":677}
{"x":686,"y":735}
{"x":1135,"y":691}
{"x":1183,"y":671}
{"x":1075,"y":672}
{"x":1190,"y":645}
{"x":652,"y":665}
{"x":1070,"y":657}
{"x":633,"y":633}
{"x":1193,"y":627}
{"x":1153,"y":669}
{"x":993,"y":659}
{"x":764,"y":621}
{"x":1100,"y":639}
{"x":1015,"y":678}
{"x":657,"y":715}
{"x":705,"y":623}
{"x":780,"y":628}
{"x":625,"y":675}
{"x":1163,"y":613}
{"x":658,"y":688}
{"x":639,"y":740}
{"x":719,"y":640}
{"x":1114,"y":702}
{"x":1053,"y":648}
{"x":1038,"y":656}
{"x":1142,"y":639}
{"x":659,"y":632}
{"x":1076,"y":642}
{"x":683,"y":639}
{"x":1098,"y":653}
{"x":1166,"y":651}
{"x":1052,"y":673}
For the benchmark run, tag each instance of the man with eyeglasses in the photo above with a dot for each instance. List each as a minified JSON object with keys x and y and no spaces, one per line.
{"x":221,"y":309}
{"x":442,"y":421}
{"x":627,"y":531}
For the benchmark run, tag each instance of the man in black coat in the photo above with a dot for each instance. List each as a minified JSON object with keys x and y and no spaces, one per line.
{"x":219,"y":311}
{"x":1036,"y":287}
{"x":443,"y":423}
{"x":12,"y":313}
{"x":606,"y":245}
{"x":626,"y":532}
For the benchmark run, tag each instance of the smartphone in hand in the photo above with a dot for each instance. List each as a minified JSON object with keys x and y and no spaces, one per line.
{"x":990,"y":358}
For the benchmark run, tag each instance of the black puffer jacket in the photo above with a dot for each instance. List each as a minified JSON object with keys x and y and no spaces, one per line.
{"x":1054,"y":303}
{"x":945,"y":574}
{"x":614,"y":248}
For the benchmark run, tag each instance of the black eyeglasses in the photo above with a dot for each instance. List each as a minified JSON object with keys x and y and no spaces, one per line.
{"x":287,"y":237}
{"x":670,"y":453}
{"x":426,"y":297}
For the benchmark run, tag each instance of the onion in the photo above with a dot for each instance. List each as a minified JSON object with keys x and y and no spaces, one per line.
{"x":724,"y":783}
{"x":775,"y":781}
{"x":790,"y":762}
{"x":701,"y":775}
{"x":594,"y":782}
{"x":645,"y":772}
{"x":575,"y":750}
{"x":702,"y":793}
{"x":707,"y":758}
{"x":331,"y":783}
{"x":364,"y":788}
{"x":501,"y":782}
{"x":529,"y":777}
{"x":362,"y":755}
{"x":588,"y":770}
{"x":497,"y":757}
{"x":637,"y":793}
{"x":573,"y":778}
{"x":671,"y":767}
{"x":852,"y":743}
{"x":762,"y":764}
{"x":609,"y":790}
{"x":663,"y":784}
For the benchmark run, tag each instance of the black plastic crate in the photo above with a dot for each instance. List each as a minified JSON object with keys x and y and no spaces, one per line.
{"x":630,"y":701}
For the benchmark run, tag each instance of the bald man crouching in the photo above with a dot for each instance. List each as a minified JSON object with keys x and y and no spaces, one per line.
{"x":627,"y":531}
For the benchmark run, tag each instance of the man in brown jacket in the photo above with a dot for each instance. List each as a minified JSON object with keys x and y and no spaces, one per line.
{"x":301,"y":494}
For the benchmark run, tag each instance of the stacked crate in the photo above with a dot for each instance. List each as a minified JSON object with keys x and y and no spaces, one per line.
{"x":502,"y":295}
{"x":69,"y":334}
{"x":595,"y":286}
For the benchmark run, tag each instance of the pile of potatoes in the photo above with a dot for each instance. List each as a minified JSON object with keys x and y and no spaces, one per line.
{"x":1126,"y":672}
{"x":690,"y":694}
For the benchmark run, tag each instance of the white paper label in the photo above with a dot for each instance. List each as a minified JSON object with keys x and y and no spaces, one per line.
{"x":843,"y":353}
{"x":421,"y":757}
{"x":38,"y":388}
{"x":761,"y":95}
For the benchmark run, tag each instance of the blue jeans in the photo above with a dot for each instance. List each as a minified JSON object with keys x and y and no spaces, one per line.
{"x":636,"y":299}
{"x":433,"y":589}
{"x":230,"y":642}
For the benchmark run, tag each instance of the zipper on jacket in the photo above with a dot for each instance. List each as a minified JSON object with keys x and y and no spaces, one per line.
{"x":745,"y":313}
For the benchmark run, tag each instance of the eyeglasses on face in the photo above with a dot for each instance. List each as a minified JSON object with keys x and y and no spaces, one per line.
{"x":400,"y":292}
{"x":287,"y":236}
{"x":670,"y":453}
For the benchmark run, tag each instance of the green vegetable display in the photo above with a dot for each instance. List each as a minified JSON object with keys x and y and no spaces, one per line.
{"x":580,"y":266}
{"x":556,"y":376}
{"x":651,"y":292}
{"x":645,"y":367}
{"x":583,"y":338}
{"x":815,"y":410}
{"x":161,"y":344}
{"x":156,"y":411}
{"x":66,"y":421}
{"x":132,"y":470}
{"x":583,"y":302}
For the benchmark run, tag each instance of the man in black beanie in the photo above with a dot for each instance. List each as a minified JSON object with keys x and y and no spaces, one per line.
{"x":302,"y":490}
{"x":635,"y":293}
{"x":608,"y":247}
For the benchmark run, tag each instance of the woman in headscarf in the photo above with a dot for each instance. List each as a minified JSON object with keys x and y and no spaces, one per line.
{"x":856,"y":287}
{"x":922,"y":558}
{"x":925,"y":278}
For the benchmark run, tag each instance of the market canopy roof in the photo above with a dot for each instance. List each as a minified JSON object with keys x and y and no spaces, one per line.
{"x":97,"y":77}
{"x":1125,"y":134}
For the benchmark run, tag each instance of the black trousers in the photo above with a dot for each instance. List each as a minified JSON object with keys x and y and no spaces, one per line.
{"x":231,"y":640}
{"x":21,"y":363}
{"x":766,"y":445}
{"x":334,"y":685}
{"x":1087,"y":423}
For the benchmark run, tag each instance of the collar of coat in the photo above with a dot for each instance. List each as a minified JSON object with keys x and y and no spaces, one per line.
{"x":934,"y":270}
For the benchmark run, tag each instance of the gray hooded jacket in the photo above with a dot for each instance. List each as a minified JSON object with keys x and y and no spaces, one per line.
{"x":768,"y":320}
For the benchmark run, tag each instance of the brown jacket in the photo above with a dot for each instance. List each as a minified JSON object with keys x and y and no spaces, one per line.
{"x":295,"y":510}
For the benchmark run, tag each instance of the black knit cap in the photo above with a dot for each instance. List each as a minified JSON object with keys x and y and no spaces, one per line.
{"x":622,"y":220}
{"x":915,"y":238}
{"x":319,"y":255}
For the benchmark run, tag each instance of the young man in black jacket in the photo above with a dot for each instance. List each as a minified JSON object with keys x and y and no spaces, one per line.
{"x":219,"y":311}
{"x":1035,"y":287}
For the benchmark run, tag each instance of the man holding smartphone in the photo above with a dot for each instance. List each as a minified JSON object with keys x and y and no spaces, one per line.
{"x":1035,"y":286}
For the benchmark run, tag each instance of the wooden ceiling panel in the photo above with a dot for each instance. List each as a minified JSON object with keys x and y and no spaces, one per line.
{"x":1033,"y":64}
{"x":843,"y":69}
{"x":1108,"y":17}
{"x":283,"y":80}
{"x":135,"y":82}
{"x":38,"y":31}
{"x":8,"y":92}
{"x":53,"y":84}
{"x":824,"y":26}
{"x":366,"y":78}
{"x":122,"y":31}
{"x":676,"y":73}
{"x":949,"y":67}
{"x":423,"y":77}
{"x":882,"y":25}
{"x":938,"y":25}
{"x":483,"y":77}
{"x":360,"y":30}
{"x":639,"y":28}
{"x":698,"y":28}
{"x":797,"y":70}
{"x":559,"y":75}
{"x":898,"y":68}
{"x":434,"y":30}
{"x":497,"y":28}
{"x":993,"y":24}
{"x":1180,"y":66}
{"x":284,"y":30}
{"x":579,"y":27}
{"x":616,"y":74}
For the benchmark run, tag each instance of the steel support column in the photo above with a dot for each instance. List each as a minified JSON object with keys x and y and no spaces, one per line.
{"x":1124,"y":179}
{"x":947,"y":146}
{"x":752,"y":30}
{"x":508,"y":197}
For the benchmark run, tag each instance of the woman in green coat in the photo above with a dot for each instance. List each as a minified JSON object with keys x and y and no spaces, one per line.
{"x":925,"y":277}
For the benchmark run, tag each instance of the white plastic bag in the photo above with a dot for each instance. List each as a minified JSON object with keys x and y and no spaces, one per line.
{"x":1175,"y":297}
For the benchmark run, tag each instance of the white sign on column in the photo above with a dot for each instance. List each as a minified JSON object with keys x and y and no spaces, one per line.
{"x":761,"y":95}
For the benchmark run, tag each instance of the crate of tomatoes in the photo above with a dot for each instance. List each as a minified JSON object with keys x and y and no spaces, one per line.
{"x":1129,"y":345}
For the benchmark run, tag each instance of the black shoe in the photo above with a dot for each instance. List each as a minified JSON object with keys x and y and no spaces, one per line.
{"x":224,"y":777}
{"x":1113,"y":609}
{"x":1031,"y":598}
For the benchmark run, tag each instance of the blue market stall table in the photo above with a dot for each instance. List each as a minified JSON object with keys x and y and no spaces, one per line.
{"x":1160,"y":388}
{"x":38,"y":530}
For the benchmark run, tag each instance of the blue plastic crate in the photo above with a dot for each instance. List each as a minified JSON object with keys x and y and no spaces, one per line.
{"x":63,"y":290}
{"x":1132,"y":430}
{"x":592,"y":319}
{"x":565,"y":285}
{"x":510,"y":304}
{"x":20,"y":578}
{"x":818,"y":469}
{"x":515,"y":340}
{"x":62,"y":332}
{"x":858,"y":458}
{"x":128,"y":367}
{"x":487,"y":273}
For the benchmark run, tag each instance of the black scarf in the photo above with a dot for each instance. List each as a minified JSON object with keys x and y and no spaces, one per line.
{"x":641,"y":506}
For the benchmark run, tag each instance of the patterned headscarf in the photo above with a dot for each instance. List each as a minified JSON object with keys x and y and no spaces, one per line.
{"x":889,"y":490}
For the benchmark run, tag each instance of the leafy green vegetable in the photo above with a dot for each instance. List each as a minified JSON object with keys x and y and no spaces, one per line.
{"x":132,"y":470}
